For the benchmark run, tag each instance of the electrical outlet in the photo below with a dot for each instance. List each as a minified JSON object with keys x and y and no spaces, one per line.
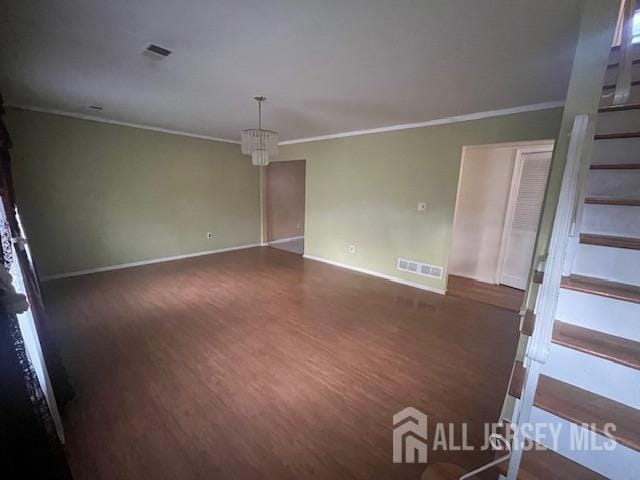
{"x":422,"y":206}
{"x":298,"y":226}
{"x":209,"y":235}
{"x":352,"y":248}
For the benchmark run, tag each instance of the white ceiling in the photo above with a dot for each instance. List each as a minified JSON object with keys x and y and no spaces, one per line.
{"x":326,"y":66}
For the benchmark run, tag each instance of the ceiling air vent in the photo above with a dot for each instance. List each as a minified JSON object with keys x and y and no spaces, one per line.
{"x":157,"y":52}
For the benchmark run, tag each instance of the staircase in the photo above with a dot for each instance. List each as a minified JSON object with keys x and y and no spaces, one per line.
{"x":582,"y":366}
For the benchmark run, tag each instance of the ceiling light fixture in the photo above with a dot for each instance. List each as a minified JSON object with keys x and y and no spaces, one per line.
{"x":257,"y":142}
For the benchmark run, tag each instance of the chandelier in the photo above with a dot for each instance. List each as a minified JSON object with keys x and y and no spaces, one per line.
{"x":257,"y":142}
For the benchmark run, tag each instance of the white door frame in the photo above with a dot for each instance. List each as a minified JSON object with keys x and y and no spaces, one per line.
{"x":511,"y":202}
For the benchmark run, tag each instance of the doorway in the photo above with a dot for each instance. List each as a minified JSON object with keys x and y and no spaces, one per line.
{"x":285,"y":198}
{"x":524,"y":207}
{"x":500,"y":193}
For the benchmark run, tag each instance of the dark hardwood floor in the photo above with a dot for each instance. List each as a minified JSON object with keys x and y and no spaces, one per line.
{"x":497,"y":295}
{"x":258,"y":364}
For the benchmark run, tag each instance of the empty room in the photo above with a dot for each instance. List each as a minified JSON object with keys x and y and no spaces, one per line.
{"x":356,"y":239}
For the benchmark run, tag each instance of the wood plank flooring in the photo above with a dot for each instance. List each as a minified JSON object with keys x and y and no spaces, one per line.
{"x":258,"y":364}
{"x":498,"y":295}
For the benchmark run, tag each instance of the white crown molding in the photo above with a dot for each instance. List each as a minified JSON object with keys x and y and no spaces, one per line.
{"x":373,"y":273}
{"x":92,"y":118}
{"x":406,"y":126}
{"x":440,"y":121}
{"x":120,"y":266}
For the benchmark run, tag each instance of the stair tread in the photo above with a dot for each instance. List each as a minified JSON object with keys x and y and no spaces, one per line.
{"x":541,"y":463}
{"x":614,"y":136}
{"x":610,"y":241}
{"x":616,"y":349}
{"x":619,"y":108}
{"x":604,"y":288}
{"x":580,"y":406}
{"x":615,"y":64}
{"x":612,"y":86}
{"x":612,"y":201}
{"x":615,"y":166}
{"x":610,"y":347}
{"x":549,"y":465}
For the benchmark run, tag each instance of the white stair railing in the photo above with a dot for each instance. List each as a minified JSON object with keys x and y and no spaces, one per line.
{"x":540,"y":342}
{"x":625,"y":61}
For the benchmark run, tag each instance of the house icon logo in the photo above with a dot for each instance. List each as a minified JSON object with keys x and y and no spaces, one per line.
{"x":410,"y":436}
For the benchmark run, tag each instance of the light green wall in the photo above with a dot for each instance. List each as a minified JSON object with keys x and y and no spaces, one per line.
{"x":364,"y":189}
{"x":94,"y":194}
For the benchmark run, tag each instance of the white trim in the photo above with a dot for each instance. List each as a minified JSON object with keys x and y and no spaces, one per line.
{"x":441,"y":121}
{"x":284,"y":240}
{"x":536,"y":145}
{"x":144,"y":262}
{"x":93,"y":118}
{"x":406,"y":126}
{"x":377,"y":274}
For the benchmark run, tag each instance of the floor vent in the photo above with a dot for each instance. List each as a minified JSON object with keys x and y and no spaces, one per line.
{"x":418,"y":268}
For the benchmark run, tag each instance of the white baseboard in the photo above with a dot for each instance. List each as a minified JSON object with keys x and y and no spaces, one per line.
{"x":143,"y":262}
{"x":366,"y":271}
{"x":284,"y":240}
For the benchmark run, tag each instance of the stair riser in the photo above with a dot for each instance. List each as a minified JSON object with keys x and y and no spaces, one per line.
{"x":614,"y":56}
{"x":615,"y":317}
{"x":624,"y":150}
{"x":612,"y":73}
{"x":621,"y":221}
{"x":595,"y":374}
{"x":614,"y":183}
{"x":622,"y":463}
{"x":614,"y":264}
{"x":634,"y":95}
{"x":622,"y":121}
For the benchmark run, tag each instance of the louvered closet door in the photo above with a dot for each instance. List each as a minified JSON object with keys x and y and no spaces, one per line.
{"x":523,"y":214}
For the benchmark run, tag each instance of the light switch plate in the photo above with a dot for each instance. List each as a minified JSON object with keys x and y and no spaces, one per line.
{"x":422,"y":206}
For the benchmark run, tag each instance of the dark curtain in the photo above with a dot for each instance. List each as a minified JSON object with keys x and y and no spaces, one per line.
{"x":29,"y":444}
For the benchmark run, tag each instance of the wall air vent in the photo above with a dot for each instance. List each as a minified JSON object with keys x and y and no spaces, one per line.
{"x":156,"y":52}
{"x":419,"y":268}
